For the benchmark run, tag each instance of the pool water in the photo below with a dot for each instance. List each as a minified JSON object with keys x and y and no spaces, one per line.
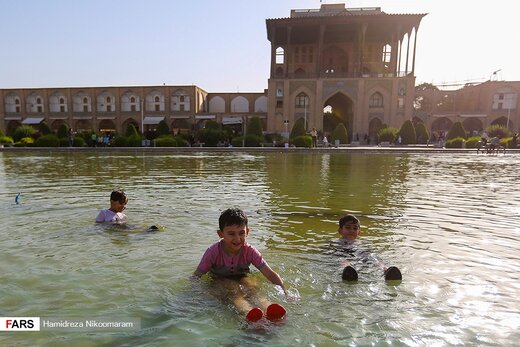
{"x":450,"y":222}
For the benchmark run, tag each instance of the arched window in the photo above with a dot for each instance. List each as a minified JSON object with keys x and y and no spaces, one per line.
{"x":387,"y":53}
{"x":85,"y":104}
{"x":302,"y":100}
{"x":376,"y":100}
{"x":280,"y":55}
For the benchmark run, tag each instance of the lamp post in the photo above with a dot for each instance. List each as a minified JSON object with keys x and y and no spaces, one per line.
{"x":244,"y":130}
{"x":305,"y":112}
{"x":509,"y":98}
{"x":508,"y":114}
{"x":142,"y":117}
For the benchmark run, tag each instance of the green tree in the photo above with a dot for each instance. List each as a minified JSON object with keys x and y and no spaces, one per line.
{"x":456,"y":130}
{"x":43,"y":128}
{"x":210,"y":136}
{"x":165,"y":141}
{"x":302,"y":141}
{"x":422,"y":133}
{"x":387,"y":134}
{"x":163,"y":129}
{"x":131,"y":130}
{"x":340,"y":133}
{"x":63,"y":129}
{"x":424,"y":87}
{"x":298,"y":128}
{"x":497,"y":130}
{"x":49,"y":140}
{"x":211,"y":124}
{"x":22,"y":131}
{"x":407,"y":133}
{"x":254,"y":127}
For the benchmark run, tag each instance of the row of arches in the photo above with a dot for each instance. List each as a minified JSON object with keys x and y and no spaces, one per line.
{"x":82,"y":102}
{"x":217,"y":104}
{"x":105,"y":101}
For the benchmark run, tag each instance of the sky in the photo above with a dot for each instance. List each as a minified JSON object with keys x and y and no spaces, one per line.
{"x":222,"y":46}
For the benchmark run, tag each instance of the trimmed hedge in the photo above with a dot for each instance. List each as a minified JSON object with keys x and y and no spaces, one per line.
{"x":457,"y":142}
{"x":249,"y":141}
{"x":25,"y":142}
{"x":6,"y":139}
{"x":22,"y":131}
{"x":298,"y":128}
{"x":134,"y":140}
{"x":407,"y":133}
{"x":181,"y":142}
{"x":422,"y":133}
{"x":163,"y":129}
{"x":340,"y":133}
{"x":79,"y":141}
{"x":302,"y":141}
{"x":254,"y":127}
{"x":63,"y":130}
{"x":120,"y":141}
{"x":387,"y":134}
{"x":131,"y":130}
{"x":210,"y":136}
{"x":472,"y":141}
{"x":497,"y":130}
{"x":49,"y":140}
{"x":44,"y":129}
{"x":456,"y":130}
{"x":165,"y":141}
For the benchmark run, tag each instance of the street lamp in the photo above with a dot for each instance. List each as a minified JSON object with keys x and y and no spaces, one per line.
{"x":142,"y":117}
{"x":244,"y":130}
{"x":305,"y":112}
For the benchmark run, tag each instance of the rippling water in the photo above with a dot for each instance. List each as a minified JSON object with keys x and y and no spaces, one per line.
{"x":450,"y":222}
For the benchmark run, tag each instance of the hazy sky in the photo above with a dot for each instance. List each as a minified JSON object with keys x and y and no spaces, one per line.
{"x":221,"y":45}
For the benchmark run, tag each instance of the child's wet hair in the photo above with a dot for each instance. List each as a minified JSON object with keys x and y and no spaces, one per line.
{"x":119,"y":195}
{"x":348,"y":219}
{"x":232,"y":216}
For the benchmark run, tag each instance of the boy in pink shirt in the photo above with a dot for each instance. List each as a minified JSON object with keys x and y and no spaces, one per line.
{"x":229,"y":260}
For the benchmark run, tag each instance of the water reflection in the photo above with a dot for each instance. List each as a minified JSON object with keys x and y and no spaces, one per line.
{"x":449,"y":222}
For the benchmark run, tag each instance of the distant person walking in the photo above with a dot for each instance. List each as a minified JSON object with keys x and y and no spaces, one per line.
{"x":314,"y":135}
{"x":70,"y":136}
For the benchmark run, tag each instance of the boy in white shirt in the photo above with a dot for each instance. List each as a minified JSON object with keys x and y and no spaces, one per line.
{"x":114,"y":214}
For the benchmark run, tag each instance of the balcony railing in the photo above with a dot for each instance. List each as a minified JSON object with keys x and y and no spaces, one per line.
{"x":314,"y":75}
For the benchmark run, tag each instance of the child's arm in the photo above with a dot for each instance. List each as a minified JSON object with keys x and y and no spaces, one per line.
{"x":273,"y":277}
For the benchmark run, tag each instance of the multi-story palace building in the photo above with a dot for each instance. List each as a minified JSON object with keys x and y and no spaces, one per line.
{"x":356,"y":63}
{"x":328,"y":65}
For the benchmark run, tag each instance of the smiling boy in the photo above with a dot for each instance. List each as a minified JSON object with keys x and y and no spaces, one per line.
{"x":229,"y":259}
